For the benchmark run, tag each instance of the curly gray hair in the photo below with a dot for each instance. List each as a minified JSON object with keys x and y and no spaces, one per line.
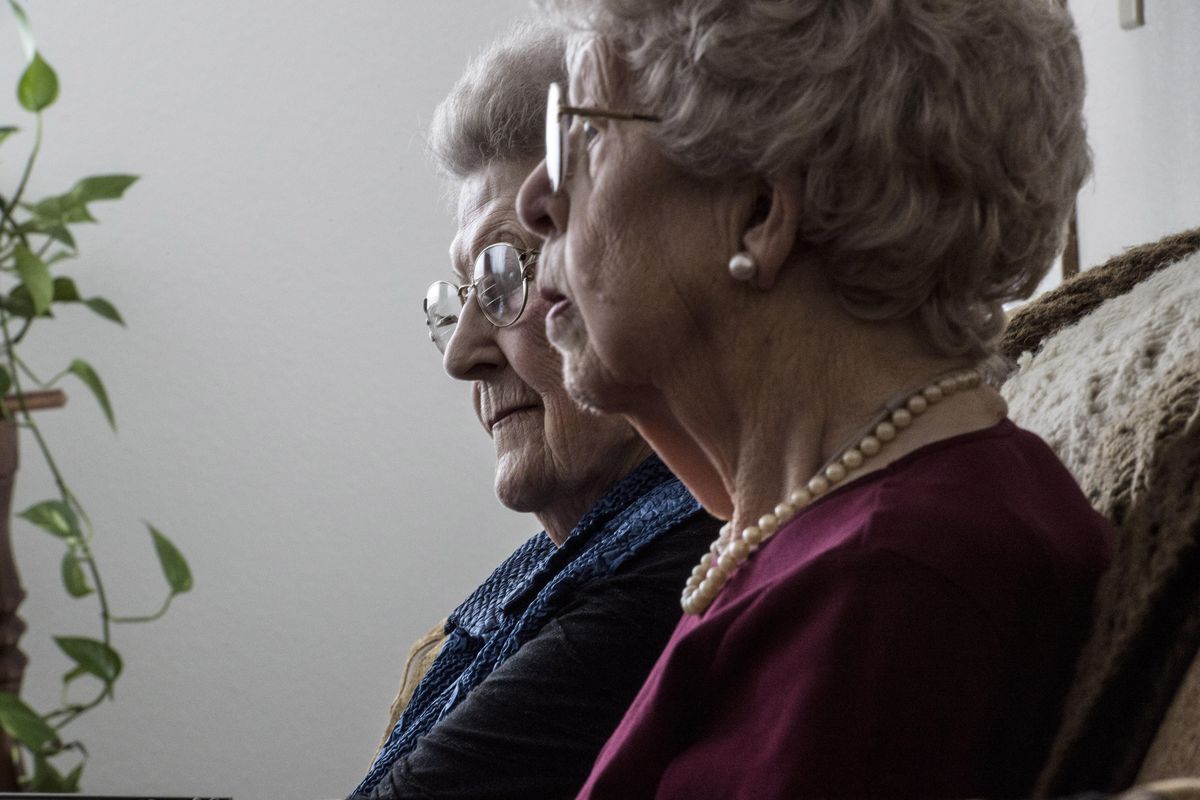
{"x":497,"y":109}
{"x":940,"y":144}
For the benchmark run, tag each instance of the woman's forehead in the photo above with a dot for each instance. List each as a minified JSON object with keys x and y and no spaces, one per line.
{"x":486,"y":209}
{"x":491,"y":189}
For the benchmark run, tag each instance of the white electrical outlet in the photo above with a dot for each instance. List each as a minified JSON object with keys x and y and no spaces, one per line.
{"x":1132,"y":13}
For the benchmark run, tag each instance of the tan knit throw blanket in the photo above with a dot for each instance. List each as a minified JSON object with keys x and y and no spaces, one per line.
{"x":1109,"y":374}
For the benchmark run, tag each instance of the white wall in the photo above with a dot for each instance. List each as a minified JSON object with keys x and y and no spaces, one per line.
{"x":1143,"y":111}
{"x":282,"y":415}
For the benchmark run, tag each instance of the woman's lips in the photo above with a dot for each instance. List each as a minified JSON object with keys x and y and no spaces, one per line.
{"x":503,"y":415}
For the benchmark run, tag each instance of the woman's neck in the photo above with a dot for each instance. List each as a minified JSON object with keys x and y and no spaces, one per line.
{"x":559,"y":517}
{"x":745,"y":424}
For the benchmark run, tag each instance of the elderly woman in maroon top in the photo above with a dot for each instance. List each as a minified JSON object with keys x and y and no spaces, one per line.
{"x":778,"y":237}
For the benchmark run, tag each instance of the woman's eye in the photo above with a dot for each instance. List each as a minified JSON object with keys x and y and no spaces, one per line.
{"x":590,"y":132}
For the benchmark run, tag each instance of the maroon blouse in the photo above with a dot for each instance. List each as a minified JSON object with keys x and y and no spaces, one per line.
{"x":911,"y":634}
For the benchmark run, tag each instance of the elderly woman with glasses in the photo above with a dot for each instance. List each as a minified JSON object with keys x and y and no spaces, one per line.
{"x":778,"y":237}
{"x":542,"y":659}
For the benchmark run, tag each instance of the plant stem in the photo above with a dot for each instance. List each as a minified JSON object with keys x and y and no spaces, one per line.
{"x":20,"y":363}
{"x":70,"y":712}
{"x":33,"y":154}
{"x":24,"y":330}
{"x":151,"y":617}
{"x":64,"y":491}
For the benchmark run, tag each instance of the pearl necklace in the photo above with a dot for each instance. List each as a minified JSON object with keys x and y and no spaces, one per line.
{"x":729,"y":552}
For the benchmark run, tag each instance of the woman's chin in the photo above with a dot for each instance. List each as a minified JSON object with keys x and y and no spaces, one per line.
{"x":589,"y":382}
{"x":592,"y":386}
{"x":520,"y":484}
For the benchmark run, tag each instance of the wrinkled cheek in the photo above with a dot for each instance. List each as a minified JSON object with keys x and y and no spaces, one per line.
{"x":602,"y":278}
{"x":606,"y":281}
{"x":589,"y":249}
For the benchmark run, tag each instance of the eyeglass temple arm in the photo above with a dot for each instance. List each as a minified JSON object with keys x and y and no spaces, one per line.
{"x":528,"y":260}
{"x":584,"y":111}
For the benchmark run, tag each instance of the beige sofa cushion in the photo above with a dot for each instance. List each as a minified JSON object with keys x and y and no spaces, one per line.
{"x":1115,"y":390}
{"x":1085,"y":377}
{"x":1176,"y":747}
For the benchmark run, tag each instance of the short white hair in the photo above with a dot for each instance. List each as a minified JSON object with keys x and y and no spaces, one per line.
{"x":497,"y":109}
{"x":939,"y":144}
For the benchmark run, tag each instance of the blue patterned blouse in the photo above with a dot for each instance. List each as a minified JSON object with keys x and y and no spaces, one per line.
{"x":528,"y":590}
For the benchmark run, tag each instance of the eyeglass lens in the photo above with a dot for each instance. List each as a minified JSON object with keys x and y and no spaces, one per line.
{"x":500,"y":290}
{"x":442,"y":309}
{"x":500,"y":284}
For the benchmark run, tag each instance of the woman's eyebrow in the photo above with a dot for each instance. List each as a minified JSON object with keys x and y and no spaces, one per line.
{"x":500,"y":231}
{"x":456,"y":254}
{"x":462,"y":258}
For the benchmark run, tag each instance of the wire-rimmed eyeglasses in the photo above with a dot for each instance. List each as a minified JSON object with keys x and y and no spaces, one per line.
{"x":501,"y":282}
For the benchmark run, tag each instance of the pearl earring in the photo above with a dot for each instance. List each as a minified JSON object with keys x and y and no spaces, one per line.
{"x":742,"y":266}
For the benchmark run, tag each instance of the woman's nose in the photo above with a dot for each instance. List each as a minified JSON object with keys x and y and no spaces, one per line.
{"x":472,"y":352}
{"x":541,"y":211}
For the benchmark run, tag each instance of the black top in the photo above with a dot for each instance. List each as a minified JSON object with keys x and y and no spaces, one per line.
{"x":533,"y":725}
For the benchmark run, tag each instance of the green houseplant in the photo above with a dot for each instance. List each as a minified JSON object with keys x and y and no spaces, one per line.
{"x":36,"y":243}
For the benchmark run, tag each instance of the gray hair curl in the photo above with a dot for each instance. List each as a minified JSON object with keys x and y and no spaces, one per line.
{"x":497,"y":109}
{"x":940,"y":144}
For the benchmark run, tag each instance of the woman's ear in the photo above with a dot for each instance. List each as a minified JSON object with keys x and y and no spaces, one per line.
{"x":773,"y":228}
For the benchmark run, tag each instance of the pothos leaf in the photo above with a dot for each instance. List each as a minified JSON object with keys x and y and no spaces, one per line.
{"x":55,"y":229}
{"x":53,"y":516}
{"x":101,"y":187}
{"x":24,"y":724}
{"x":24,"y":30}
{"x":93,"y":657}
{"x":19,"y":303}
{"x":85,"y":373}
{"x":65,"y":291}
{"x":73,"y":673}
{"x":62,"y":209}
{"x":46,"y":778}
{"x":38,"y":87}
{"x":36,"y":277}
{"x":174,"y":565}
{"x":73,"y":576}
{"x":71,"y":782}
{"x":104,"y":309}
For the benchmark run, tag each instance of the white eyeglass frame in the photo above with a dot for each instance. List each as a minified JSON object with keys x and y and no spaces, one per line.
{"x":557,"y":131}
